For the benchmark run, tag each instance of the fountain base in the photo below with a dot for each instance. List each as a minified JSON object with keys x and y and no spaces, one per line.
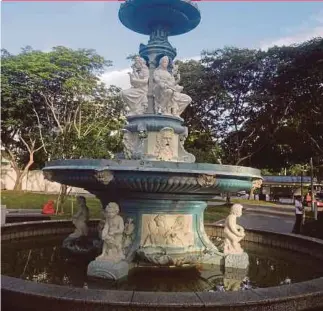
{"x":236,"y":261}
{"x":108,"y":270}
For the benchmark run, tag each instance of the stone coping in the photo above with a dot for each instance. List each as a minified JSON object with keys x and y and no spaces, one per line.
{"x":18,"y":294}
{"x":153,"y":167}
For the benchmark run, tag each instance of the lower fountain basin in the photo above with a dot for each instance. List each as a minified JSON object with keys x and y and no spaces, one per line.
{"x":294,"y":256}
{"x":134,"y":178}
{"x":163,"y":201}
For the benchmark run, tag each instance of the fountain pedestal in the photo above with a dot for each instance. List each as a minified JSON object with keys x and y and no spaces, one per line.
{"x":161,"y":192}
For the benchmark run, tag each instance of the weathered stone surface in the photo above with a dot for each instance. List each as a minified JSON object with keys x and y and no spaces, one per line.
{"x":236,"y":261}
{"x":107,"y":270}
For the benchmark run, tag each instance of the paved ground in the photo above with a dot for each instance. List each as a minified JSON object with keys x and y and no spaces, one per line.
{"x":277,"y":218}
{"x":276,"y":223}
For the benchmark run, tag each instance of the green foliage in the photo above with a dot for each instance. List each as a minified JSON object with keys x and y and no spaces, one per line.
{"x":261,"y":109}
{"x":56,"y":100}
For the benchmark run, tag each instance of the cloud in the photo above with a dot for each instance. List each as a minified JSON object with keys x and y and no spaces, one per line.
{"x":311,"y":28}
{"x":120,"y":78}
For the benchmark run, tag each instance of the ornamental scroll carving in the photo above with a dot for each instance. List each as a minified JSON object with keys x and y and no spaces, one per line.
{"x":104,"y":177}
{"x":206,"y":180}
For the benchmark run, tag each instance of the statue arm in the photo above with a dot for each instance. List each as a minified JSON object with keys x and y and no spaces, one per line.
{"x":139,"y":82}
{"x":105,"y":231}
{"x":232,"y":224}
{"x":120,"y":226}
{"x":178,"y":78}
{"x":160,"y":81}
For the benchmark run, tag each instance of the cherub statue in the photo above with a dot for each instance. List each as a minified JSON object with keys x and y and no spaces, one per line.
{"x":135,"y":98}
{"x":112,"y":234}
{"x":233,"y":233}
{"x":80,"y":219}
{"x":130,"y":144}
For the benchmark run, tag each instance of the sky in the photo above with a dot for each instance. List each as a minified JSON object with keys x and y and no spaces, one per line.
{"x":95,"y":25}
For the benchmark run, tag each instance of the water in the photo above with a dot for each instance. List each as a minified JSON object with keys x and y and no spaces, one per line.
{"x":42,"y":260}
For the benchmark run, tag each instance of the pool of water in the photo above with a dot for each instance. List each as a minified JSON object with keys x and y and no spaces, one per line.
{"x":41,"y":259}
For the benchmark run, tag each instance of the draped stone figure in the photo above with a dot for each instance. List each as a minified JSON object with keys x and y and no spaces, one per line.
{"x":135,"y":98}
{"x":167,"y":93}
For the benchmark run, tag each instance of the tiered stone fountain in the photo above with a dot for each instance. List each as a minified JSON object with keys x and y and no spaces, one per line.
{"x":155,"y":194}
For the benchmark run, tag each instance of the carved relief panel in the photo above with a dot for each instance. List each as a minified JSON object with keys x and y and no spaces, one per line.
{"x":167,"y":230}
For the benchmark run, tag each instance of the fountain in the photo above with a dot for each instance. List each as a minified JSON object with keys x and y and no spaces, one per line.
{"x":155,"y":186}
{"x":152,"y":250}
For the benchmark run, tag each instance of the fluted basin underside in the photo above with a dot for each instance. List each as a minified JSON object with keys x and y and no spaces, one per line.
{"x":194,"y":179}
{"x":164,"y":202}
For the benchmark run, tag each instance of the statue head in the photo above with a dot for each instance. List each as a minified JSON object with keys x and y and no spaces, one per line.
{"x":159,"y":220}
{"x":164,"y":62}
{"x":256,"y":183}
{"x":136,"y":62}
{"x":139,"y":62}
{"x":180,"y":221}
{"x":112,"y":209}
{"x":81,"y":201}
{"x":166,"y":137}
{"x":129,"y":221}
{"x":236,"y":209}
{"x":126,"y":137}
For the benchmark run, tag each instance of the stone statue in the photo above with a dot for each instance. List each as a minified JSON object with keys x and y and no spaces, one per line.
{"x":183,"y":155}
{"x":112,"y":234}
{"x":130,"y":143}
{"x":135,"y":98}
{"x":164,"y":149}
{"x":233,"y":233}
{"x":128,"y":233}
{"x":80,"y":219}
{"x":168,"y":230}
{"x":167,"y":93}
{"x":157,"y":230}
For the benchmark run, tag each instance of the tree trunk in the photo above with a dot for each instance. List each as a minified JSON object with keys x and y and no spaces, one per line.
{"x":228,"y":199}
{"x":21,"y":174}
{"x":251,"y":194}
{"x":18,"y":181}
{"x":61,"y":199}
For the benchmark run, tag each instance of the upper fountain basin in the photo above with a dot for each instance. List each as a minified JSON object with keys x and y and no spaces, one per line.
{"x":142,"y":16}
{"x":129,"y":177}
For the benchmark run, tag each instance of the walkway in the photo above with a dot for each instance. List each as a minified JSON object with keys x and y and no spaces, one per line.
{"x":276,"y":223}
{"x":277,"y":218}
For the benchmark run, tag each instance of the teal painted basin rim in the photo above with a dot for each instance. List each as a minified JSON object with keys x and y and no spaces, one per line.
{"x":152,"y":116}
{"x":154,"y":166}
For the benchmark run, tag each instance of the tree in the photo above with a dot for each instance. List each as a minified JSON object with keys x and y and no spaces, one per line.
{"x":58,"y":102}
{"x":290,"y":106}
{"x":237,"y":73}
{"x":19,"y":135}
{"x":202,"y":139}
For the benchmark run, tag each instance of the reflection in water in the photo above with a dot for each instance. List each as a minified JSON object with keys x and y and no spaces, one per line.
{"x":42,"y":260}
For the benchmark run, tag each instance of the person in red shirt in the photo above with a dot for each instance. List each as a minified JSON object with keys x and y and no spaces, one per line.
{"x":48,"y":208}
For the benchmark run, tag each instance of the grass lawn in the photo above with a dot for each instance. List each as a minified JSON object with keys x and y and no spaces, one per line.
{"x":32,"y":200}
